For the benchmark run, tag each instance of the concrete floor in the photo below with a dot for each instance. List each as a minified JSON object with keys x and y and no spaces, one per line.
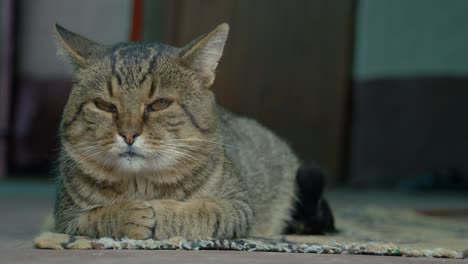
{"x":23,"y":207}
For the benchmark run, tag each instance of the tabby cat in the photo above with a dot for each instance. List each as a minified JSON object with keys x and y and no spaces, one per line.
{"x":147,"y":153}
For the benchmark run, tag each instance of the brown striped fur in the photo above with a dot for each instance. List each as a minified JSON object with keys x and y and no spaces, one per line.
{"x":192,"y":169}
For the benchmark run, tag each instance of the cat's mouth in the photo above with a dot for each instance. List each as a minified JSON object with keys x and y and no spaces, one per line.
{"x":130,"y":154}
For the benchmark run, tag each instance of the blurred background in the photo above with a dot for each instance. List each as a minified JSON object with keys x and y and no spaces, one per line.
{"x":374,"y":91}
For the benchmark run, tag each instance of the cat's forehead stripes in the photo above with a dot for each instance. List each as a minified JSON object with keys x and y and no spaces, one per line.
{"x":131,"y":64}
{"x":109,"y":89}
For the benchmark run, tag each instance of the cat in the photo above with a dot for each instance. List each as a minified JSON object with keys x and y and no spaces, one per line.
{"x":146,"y":152}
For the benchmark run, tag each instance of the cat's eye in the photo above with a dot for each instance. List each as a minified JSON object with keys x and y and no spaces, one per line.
{"x":105,"y":106}
{"x":159,"y":104}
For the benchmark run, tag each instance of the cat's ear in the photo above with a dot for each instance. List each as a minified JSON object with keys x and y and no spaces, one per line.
{"x":202,"y":54}
{"x":78,"y":48}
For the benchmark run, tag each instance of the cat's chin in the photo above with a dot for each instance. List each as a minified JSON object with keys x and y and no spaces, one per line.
{"x":131,"y":164}
{"x":140,"y":165}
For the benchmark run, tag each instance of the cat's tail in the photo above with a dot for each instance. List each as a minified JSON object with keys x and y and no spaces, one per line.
{"x":312,"y":213}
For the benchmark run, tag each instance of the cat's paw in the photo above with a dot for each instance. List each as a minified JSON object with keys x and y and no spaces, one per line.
{"x":137,"y":219}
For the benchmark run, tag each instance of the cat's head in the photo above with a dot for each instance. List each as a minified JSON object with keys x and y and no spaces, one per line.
{"x":140,"y":107}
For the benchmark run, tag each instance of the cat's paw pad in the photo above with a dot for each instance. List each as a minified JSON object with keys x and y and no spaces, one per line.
{"x":139,"y":220}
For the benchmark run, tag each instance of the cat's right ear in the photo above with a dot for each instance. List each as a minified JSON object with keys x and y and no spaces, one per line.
{"x":202,"y":54}
{"x":78,"y":48}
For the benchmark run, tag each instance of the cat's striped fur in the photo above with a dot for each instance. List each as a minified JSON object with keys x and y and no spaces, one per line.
{"x":189,"y":169}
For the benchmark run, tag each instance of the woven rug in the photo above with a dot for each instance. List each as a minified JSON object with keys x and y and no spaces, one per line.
{"x":365,"y":230}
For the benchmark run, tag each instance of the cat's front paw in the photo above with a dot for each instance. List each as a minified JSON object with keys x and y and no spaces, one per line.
{"x":137,"y":220}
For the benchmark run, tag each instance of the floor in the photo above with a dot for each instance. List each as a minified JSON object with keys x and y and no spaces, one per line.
{"x":25,"y":205}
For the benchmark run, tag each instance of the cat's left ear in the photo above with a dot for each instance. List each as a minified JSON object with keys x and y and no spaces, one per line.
{"x":202,"y":54}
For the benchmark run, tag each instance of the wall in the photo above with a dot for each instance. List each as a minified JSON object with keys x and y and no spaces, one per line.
{"x":106,"y":21}
{"x":410,"y":92}
{"x":416,"y":37}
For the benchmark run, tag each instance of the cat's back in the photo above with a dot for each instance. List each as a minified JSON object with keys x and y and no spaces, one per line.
{"x":252,"y":145}
{"x":267,"y":164}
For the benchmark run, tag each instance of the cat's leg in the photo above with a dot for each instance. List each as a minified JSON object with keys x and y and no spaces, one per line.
{"x":133,"y":219}
{"x":201,"y":219}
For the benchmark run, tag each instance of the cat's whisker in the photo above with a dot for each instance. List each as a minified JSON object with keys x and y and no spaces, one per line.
{"x":189,"y":147}
{"x":195,"y":149}
{"x":201,"y":140}
{"x":97,"y":143}
{"x":82,"y":151}
{"x":180,"y":153}
{"x":180,"y":162}
{"x":81,"y":159}
{"x":162,"y":156}
{"x":177,"y":162}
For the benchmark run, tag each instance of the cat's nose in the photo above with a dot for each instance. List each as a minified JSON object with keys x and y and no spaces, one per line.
{"x":129,"y":136}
